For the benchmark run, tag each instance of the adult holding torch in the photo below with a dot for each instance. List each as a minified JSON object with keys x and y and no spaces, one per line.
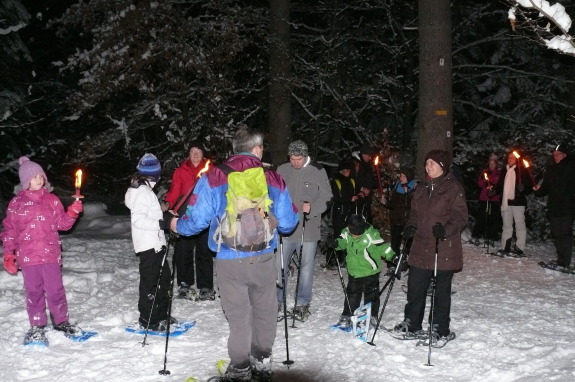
{"x":513,"y":186}
{"x":190,"y":248}
{"x":559,"y":185}
{"x":488,"y":222}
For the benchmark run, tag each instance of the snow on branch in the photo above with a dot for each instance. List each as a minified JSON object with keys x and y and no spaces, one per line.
{"x":549,"y":23}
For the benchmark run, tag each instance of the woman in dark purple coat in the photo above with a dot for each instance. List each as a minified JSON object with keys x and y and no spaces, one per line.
{"x":438,"y":215}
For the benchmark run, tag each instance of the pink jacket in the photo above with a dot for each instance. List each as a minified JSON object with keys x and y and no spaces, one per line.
{"x":31,"y":227}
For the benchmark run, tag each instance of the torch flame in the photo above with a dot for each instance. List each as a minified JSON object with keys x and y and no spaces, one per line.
{"x":516,"y":154}
{"x":205,"y":169}
{"x":78,"y":182}
{"x":525,"y":163}
{"x":485,"y":176}
{"x":376,"y":161}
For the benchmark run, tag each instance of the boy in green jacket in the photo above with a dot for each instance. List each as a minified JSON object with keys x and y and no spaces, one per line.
{"x":365,"y":248}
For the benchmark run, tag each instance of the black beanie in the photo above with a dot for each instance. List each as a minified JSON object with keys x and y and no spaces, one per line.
{"x":564,"y":148}
{"x":344,"y":165}
{"x":440,"y":157}
{"x":408,"y":172}
{"x":197,"y":144}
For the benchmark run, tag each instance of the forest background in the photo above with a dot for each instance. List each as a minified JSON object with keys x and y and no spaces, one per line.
{"x":95,"y":84}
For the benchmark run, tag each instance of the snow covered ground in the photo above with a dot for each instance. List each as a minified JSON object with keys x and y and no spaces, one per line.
{"x":514,"y":322}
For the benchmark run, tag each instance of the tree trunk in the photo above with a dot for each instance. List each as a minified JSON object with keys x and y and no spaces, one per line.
{"x":435,"y":117}
{"x":279,"y":117}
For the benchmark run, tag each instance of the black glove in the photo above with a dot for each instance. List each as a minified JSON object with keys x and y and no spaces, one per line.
{"x":395,"y":259}
{"x":167,"y":219}
{"x":408,"y":232}
{"x":438,"y":231}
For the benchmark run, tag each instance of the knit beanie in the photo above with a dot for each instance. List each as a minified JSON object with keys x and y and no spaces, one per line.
{"x":149,"y":166}
{"x":408,"y":172}
{"x":564,"y":148}
{"x":197,"y":144}
{"x":440,"y":157}
{"x":29,"y":170}
{"x":367,"y":149}
{"x":298,"y":148}
{"x":356,"y":224}
{"x":344,"y":165}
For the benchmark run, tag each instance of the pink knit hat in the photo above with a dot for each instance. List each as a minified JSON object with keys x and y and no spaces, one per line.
{"x":29,"y":170}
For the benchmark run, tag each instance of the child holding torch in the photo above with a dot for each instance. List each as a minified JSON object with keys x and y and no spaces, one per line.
{"x":31,"y":243}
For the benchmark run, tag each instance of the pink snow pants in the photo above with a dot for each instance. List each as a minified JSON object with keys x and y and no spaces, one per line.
{"x":43,"y":283}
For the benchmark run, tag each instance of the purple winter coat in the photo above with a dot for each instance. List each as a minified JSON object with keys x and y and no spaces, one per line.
{"x":31,"y":226}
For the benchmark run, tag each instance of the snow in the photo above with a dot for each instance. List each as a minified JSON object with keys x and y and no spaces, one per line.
{"x":514,"y":322}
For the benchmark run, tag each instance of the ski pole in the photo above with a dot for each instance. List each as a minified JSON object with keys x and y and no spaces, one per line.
{"x":169,"y":319}
{"x":287,"y":362}
{"x":434,"y":287}
{"x":342,"y":282}
{"x":395,"y":275}
{"x":487,"y":213}
{"x":299,"y":267}
{"x":156,"y":292}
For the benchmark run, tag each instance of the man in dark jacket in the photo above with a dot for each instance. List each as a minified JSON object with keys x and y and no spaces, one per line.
{"x":364,"y":176}
{"x":559,"y":185}
{"x":437,"y":217}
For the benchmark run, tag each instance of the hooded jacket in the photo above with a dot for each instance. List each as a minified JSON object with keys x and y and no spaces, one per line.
{"x":208,"y":203}
{"x":183,"y":178}
{"x":442,"y":200}
{"x":364,"y":253}
{"x":31,"y":226}
{"x":146,"y":214}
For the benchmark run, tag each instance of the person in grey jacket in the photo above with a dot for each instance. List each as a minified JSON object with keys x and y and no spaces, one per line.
{"x":310,"y":191}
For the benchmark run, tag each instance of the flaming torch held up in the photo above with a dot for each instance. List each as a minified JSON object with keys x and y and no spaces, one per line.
{"x":78,"y":185}
{"x":376,"y":162}
{"x":516,"y":154}
{"x":526,"y":164}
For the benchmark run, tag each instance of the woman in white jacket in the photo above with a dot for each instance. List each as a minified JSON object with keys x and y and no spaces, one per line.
{"x":149,"y":244}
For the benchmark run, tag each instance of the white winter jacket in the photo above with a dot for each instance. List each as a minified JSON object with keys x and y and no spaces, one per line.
{"x":146,"y":215}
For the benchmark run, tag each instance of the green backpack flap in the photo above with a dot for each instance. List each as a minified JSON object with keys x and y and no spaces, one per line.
{"x":248,"y":224}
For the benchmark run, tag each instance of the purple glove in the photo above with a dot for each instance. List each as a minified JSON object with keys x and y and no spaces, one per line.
{"x":75,"y":209}
{"x":10,"y":263}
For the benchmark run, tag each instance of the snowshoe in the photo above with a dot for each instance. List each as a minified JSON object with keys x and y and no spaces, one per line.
{"x":557,"y":266}
{"x":207,"y":294}
{"x":68,"y":329}
{"x":437,"y":341}
{"x":186,"y":292}
{"x":301,"y":313}
{"x":401,"y":332}
{"x":36,"y":336}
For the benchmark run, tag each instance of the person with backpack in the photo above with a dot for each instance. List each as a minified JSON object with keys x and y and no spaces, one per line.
{"x":344,"y":195}
{"x":190,"y":248}
{"x":231,"y":199}
{"x":309,"y":188}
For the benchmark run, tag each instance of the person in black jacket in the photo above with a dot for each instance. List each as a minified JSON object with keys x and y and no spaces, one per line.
{"x":559,"y":185}
{"x":513,"y":186}
{"x":344,"y":190}
{"x":400,"y":205}
{"x":364,"y":175}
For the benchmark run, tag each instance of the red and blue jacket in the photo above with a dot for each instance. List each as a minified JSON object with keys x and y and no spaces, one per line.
{"x":208,"y":203}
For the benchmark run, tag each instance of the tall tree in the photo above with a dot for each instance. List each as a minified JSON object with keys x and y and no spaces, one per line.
{"x":435,"y":117}
{"x":279,"y":97}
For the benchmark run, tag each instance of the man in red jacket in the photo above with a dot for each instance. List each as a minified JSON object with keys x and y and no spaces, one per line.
{"x":188,"y":247}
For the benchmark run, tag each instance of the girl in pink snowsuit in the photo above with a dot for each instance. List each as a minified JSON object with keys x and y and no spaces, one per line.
{"x":31,"y":243}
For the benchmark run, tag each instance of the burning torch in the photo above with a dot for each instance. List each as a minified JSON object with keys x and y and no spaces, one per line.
{"x":78,"y":184}
{"x":516,"y":154}
{"x":376,"y":162}
{"x":526,"y":164}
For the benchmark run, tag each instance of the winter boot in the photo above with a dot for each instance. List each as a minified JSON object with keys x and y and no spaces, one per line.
{"x":302,"y":312}
{"x":36,"y":336}
{"x":234,"y":375}
{"x":261,"y":369}
{"x":68,"y":329}
{"x":344,"y":321}
{"x":207,"y":294}
{"x":186,"y":292}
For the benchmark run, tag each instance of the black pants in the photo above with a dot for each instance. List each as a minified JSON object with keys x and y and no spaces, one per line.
{"x":562,"y":232}
{"x":150,"y":265}
{"x":356,"y":287}
{"x":488,"y":223}
{"x":417,"y":285}
{"x":188,"y":248}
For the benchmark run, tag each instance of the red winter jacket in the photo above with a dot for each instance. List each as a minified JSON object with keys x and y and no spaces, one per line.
{"x":183,"y":178}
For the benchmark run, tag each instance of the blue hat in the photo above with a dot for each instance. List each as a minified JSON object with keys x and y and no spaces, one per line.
{"x":150,"y":166}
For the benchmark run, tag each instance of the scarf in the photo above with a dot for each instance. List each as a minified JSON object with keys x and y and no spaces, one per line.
{"x":508,"y":187}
